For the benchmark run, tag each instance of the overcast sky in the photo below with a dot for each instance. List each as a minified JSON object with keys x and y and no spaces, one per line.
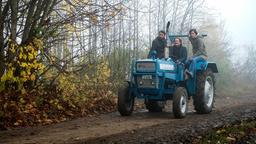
{"x":240,"y":18}
{"x":240,"y":23}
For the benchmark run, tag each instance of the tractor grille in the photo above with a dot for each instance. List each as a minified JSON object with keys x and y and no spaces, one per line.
{"x":147,"y":81}
{"x":145,"y":66}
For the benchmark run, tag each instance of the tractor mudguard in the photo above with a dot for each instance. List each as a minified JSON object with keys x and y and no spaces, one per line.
{"x":203,"y":65}
{"x":213,"y":67}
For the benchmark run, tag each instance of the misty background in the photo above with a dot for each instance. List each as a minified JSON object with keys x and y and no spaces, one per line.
{"x":239,"y":22}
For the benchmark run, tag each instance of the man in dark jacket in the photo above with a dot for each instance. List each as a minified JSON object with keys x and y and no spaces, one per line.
{"x":159,"y":44}
{"x":178,"y":52}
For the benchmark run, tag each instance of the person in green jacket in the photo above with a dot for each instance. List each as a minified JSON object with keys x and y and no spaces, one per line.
{"x":199,"y":52}
{"x":197,"y":44}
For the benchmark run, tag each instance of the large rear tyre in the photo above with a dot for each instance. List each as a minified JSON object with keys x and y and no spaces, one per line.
{"x":125,"y":101}
{"x":205,"y":92}
{"x":155,"y":106}
{"x":180,"y":102}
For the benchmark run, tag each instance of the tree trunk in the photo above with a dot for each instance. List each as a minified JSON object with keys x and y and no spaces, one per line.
{"x":149,"y":24}
{"x":164,"y":13}
{"x":158,"y":16}
{"x":48,"y":7}
{"x":29,"y":20}
{"x":130,"y":36}
{"x":174,"y":15}
{"x":134,"y":29}
{"x":90,"y":39}
{"x":187,"y":12}
{"x":14,"y":14}
{"x":3,"y":14}
{"x":137,"y":29}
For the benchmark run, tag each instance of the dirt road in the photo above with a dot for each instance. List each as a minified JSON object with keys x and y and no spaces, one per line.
{"x":141,"y":127}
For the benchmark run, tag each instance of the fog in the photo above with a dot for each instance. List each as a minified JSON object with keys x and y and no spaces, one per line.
{"x":240,"y":22}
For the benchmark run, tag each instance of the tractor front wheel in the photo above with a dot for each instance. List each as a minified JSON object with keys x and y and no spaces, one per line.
{"x":125,"y":101}
{"x":180,"y":102}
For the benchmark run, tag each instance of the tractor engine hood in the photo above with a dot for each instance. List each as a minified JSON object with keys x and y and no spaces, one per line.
{"x":151,"y":73}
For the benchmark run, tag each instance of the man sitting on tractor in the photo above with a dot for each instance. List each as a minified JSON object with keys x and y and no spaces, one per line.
{"x":158,"y":45}
{"x":199,"y":51}
{"x":178,"y":52}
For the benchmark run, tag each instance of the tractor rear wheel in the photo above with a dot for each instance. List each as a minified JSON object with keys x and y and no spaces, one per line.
{"x":180,"y":102}
{"x":154,"y":106}
{"x":205,"y":92}
{"x":125,"y":101}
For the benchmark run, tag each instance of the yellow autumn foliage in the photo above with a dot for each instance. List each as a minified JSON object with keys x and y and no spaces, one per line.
{"x":25,"y":61}
{"x":77,"y":89}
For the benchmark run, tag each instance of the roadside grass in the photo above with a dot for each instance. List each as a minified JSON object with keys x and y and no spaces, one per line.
{"x":242,"y":133}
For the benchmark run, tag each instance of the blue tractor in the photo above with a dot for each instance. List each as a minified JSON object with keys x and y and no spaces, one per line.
{"x":158,"y":80}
